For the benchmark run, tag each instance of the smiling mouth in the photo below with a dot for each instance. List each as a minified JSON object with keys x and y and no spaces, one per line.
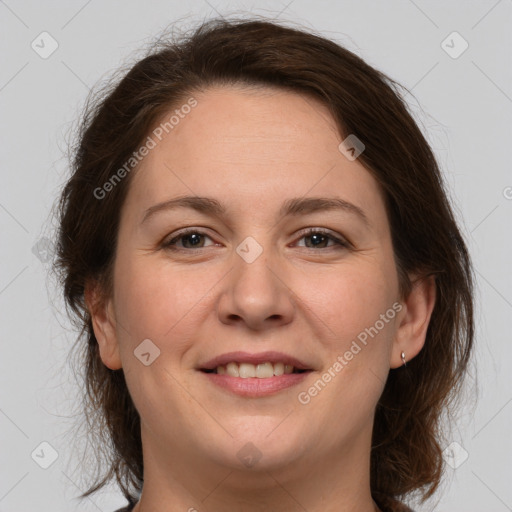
{"x":248,"y":370}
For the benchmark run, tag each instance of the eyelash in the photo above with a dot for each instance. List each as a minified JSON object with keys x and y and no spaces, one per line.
{"x":170,"y":245}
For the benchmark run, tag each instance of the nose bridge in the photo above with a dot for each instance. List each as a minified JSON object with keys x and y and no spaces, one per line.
{"x":256,"y":293}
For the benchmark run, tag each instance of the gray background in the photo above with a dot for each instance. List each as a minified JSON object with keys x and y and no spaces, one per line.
{"x":464,"y":105}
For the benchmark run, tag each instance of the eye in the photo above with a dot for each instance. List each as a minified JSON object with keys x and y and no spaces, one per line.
{"x":320,"y":237}
{"x":190,"y":239}
{"x":194,"y":239}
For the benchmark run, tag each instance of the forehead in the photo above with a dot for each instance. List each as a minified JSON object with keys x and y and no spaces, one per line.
{"x":250,"y":148}
{"x":253,"y":127}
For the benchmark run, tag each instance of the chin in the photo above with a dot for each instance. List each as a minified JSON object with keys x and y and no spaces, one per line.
{"x":259,"y":448}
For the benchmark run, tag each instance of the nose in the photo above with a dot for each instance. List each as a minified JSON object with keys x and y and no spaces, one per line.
{"x":256,"y":294}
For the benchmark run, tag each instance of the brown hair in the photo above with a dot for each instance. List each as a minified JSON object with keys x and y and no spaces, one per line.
{"x":406,"y":451}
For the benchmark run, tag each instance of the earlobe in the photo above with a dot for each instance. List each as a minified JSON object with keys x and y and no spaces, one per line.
{"x":103,"y":323}
{"x":414,"y":321}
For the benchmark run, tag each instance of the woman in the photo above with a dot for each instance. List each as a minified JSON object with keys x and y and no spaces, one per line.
{"x":275,"y":296}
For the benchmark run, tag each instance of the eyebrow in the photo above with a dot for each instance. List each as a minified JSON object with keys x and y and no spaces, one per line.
{"x":291,"y":207}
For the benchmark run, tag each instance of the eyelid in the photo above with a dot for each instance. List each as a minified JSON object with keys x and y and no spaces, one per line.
{"x":184,"y":232}
{"x":339,"y":240}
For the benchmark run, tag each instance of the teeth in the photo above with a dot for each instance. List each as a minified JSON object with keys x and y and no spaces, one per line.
{"x":278,"y":369}
{"x":232,"y":370}
{"x":264,"y":370}
{"x":246,"y":370}
{"x":260,"y":371}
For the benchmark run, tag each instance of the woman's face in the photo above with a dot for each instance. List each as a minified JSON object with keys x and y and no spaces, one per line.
{"x":252,"y":279}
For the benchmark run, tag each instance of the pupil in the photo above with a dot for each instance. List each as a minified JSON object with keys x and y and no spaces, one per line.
{"x":316,"y":239}
{"x":195,"y":236}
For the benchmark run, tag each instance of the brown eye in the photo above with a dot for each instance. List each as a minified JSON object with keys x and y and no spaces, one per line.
{"x":189,"y":240}
{"x":320,"y":239}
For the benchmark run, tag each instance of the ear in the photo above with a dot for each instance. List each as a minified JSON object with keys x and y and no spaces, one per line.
{"x":414,"y":320}
{"x":103,"y":322}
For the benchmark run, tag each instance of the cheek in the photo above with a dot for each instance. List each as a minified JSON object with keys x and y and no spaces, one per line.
{"x":349,"y":300}
{"x":356,"y":320}
{"x":160,"y":302}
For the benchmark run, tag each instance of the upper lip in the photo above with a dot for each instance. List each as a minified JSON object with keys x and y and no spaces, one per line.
{"x":261,"y":357}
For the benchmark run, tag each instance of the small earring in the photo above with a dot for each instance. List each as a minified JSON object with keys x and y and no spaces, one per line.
{"x":403,"y":358}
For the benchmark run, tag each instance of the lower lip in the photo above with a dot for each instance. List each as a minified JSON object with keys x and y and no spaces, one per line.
{"x":254,"y":387}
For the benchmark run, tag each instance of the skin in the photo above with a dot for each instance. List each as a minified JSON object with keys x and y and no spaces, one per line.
{"x":251,"y":150}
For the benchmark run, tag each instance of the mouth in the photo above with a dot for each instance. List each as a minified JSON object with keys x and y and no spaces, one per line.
{"x":262,"y":365}
{"x":264,"y":370}
{"x":255,"y":375}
